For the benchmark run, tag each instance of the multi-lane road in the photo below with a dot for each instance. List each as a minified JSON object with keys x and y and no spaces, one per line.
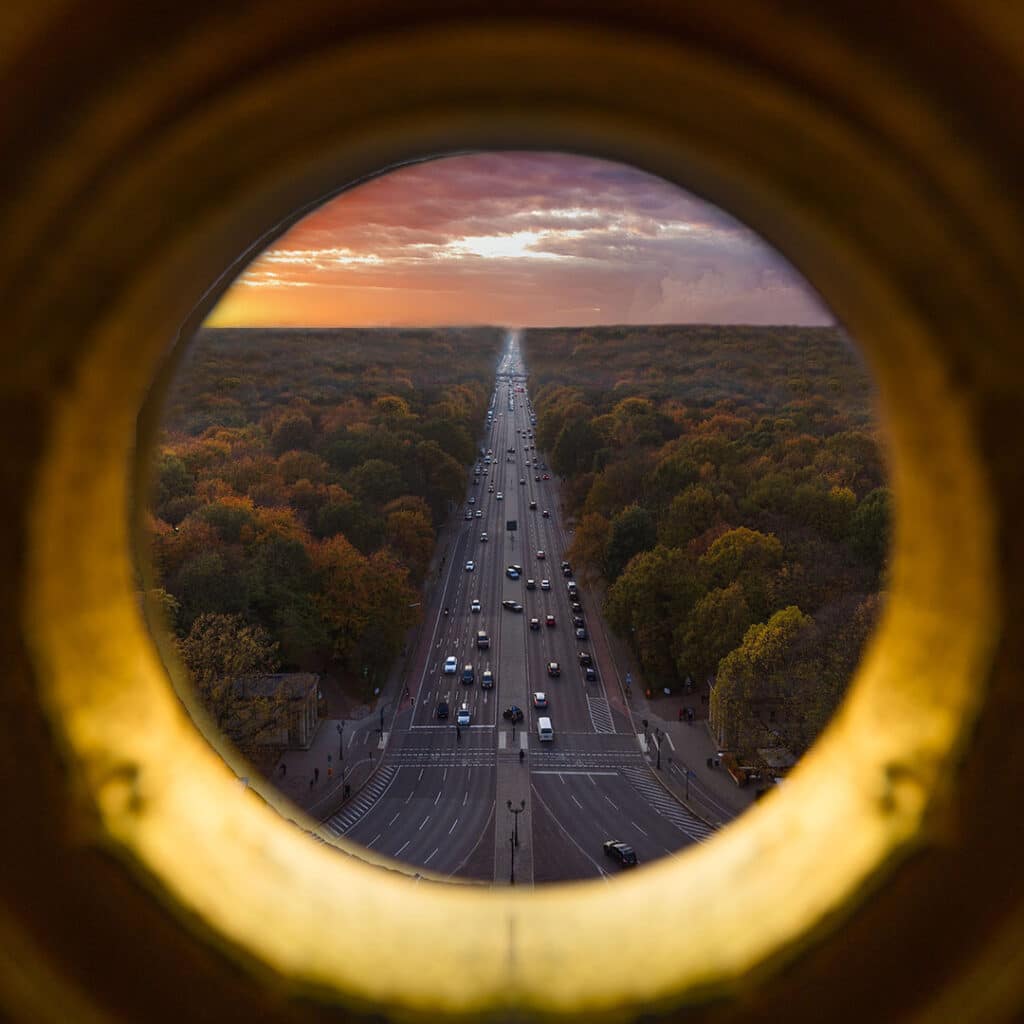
{"x":440,"y":797}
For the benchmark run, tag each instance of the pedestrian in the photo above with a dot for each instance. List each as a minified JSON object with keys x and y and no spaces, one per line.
{"x":284,"y":769}
{"x":522,"y":755}
{"x":680,"y":714}
{"x":310,"y":784}
{"x":458,"y":733}
{"x":316,"y":774}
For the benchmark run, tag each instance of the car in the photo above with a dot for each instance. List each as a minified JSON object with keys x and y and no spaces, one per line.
{"x":463,"y":717}
{"x":572,"y":586}
{"x":554,"y":669}
{"x":490,"y":490}
{"x":483,"y":538}
{"x":585,"y":658}
{"x":547,"y":476}
{"x":577,"y":608}
{"x":545,"y":584}
{"x":470,"y":565}
{"x":512,"y":574}
{"x":621,"y":852}
{"x":581,"y":632}
{"x":508,"y":604}
{"x":468,"y":675}
{"x":541,"y":556}
{"x":535,"y":623}
{"x":479,"y":513}
{"x":487,"y":679}
{"x":522,"y":480}
{"x":515,"y":565}
{"x":531,"y":584}
{"x":533,"y":506}
{"x":549,"y":620}
{"x":590,"y":674}
{"x":540,"y":700}
{"x":536,"y":477}
{"x":499,"y":496}
{"x":512,"y":714}
{"x":471,"y":500}
{"x":546,"y":514}
{"x":577,"y":621}
{"x":563,"y":565}
{"x":451,"y":665}
{"x":474,"y":606}
{"x":442,"y":709}
{"x":567,"y":571}
{"x":469,"y":514}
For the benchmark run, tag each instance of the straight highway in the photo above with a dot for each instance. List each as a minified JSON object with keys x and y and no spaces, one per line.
{"x":456,"y":758}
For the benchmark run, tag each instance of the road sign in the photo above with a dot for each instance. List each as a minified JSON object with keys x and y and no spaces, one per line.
{"x":511,"y":524}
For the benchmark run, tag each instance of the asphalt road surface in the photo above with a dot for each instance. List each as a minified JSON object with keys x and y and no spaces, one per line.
{"x":440,"y":797}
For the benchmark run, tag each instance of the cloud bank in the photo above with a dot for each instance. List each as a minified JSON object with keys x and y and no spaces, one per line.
{"x":518,"y":239}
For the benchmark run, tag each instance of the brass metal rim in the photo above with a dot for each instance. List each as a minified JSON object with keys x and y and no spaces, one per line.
{"x":859,"y":199}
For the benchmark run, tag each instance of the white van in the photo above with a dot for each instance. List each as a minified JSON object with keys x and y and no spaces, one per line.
{"x":544,"y":730}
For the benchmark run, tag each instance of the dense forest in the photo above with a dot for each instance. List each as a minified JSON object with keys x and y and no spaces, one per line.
{"x":728,"y":492}
{"x":300,"y":481}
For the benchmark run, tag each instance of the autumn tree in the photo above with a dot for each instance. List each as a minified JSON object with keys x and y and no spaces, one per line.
{"x":220,"y":650}
{"x":294,"y":431}
{"x":590,"y":545}
{"x":716,"y":626}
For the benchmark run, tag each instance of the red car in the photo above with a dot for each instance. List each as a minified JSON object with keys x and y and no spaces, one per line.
{"x":547,"y":477}
{"x":550,"y":620}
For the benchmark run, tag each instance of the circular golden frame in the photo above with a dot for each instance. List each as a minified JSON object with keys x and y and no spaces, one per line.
{"x":835,"y":897}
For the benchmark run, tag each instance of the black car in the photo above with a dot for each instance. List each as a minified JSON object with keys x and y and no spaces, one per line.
{"x":442,"y":709}
{"x":533,"y":504}
{"x":566,"y":570}
{"x":512,"y":714}
{"x":585,"y":658}
{"x":590,"y":674}
{"x":512,"y":606}
{"x":576,"y":607}
{"x":624,"y":854}
{"x":577,"y":621}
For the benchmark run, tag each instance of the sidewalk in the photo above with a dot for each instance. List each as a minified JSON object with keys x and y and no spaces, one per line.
{"x":685,"y":747}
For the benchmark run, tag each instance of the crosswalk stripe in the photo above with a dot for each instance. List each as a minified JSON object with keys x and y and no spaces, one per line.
{"x":344,"y":819}
{"x":600,"y":714}
{"x":655,"y":795}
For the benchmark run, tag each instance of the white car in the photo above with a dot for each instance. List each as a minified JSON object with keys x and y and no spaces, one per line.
{"x":470,"y":565}
{"x":463,"y":716}
{"x":545,"y":584}
{"x":479,"y":514}
{"x":451,"y":665}
{"x":499,"y":496}
{"x":483,"y":537}
{"x":474,"y":605}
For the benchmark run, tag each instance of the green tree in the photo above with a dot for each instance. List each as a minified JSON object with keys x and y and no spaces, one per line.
{"x":689,"y":515}
{"x":632,"y":531}
{"x":716,"y":626}
{"x":749,"y":557}
{"x":294,"y":431}
{"x":870,"y":527}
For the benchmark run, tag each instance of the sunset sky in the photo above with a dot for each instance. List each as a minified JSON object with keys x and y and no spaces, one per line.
{"x":518,"y":240}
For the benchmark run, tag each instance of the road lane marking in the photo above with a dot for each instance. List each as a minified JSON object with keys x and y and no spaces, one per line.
{"x":670,"y":743}
{"x":373,"y":840}
{"x":502,"y":739}
{"x":392,"y":821}
{"x":465,"y":798}
{"x":420,"y":776}
{"x":402,"y":847}
{"x":454,"y":823}
{"x":424,"y":821}
{"x":575,"y":801}
{"x":636,"y":826}
{"x":438,"y":797}
{"x":611,"y":801}
{"x":431,"y":857}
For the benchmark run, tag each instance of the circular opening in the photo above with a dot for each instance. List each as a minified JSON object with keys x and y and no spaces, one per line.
{"x":348,"y":477}
{"x":254,"y":886}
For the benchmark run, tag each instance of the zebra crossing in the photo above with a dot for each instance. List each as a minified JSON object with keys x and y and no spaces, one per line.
{"x":655,"y":795}
{"x":600,"y":714}
{"x":340,"y":822}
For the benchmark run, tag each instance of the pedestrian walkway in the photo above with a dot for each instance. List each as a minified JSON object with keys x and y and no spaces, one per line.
{"x":339,"y":823}
{"x":654,"y":793}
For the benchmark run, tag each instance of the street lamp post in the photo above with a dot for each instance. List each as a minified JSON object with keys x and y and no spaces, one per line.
{"x":658,"y":735}
{"x":516,"y":811}
{"x":512,"y":870}
{"x":341,"y":741}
